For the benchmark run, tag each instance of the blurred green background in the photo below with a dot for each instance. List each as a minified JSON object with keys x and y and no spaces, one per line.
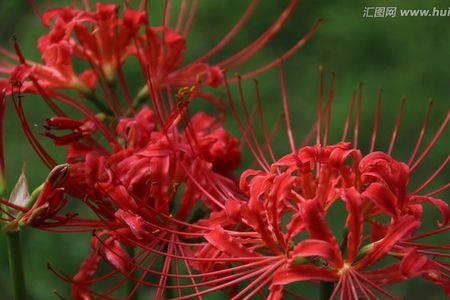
{"x":406,"y":56}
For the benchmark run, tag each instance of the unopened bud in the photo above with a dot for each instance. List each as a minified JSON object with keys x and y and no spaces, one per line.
{"x":58,"y":175}
{"x":62,"y":123}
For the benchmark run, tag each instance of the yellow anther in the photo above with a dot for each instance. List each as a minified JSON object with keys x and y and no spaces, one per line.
{"x":183,"y":95}
{"x":344,"y":269}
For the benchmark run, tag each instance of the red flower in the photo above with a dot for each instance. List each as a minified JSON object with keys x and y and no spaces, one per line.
{"x":106,"y":40}
{"x":102,"y":37}
{"x":132,"y":189}
{"x":388,"y":181}
{"x":349,"y":272}
{"x":293,"y":196}
{"x":162,"y":64}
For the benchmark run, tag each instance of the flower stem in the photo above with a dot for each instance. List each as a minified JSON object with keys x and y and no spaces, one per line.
{"x":15,"y":265}
{"x":97,"y":102}
{"x":326,"y":290}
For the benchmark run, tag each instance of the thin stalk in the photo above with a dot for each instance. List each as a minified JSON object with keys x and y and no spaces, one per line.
{"x":326,"y":290}
{"x":138,"y":100}
{"x":97,"y":102}
{"x":15,"y":265}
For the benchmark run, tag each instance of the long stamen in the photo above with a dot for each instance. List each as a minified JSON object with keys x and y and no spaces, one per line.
{"x":349,"y":117}
{"x":435,"y":253}
{"x":376,"y":121}
{"x":142,"y":277}
{"x":195,"y":284}
{"x":357,"y":117}
{"x":166,"y":15}
{"x":198,"y":259}
{"x":232,"y":33}
{"x":248,"y":121}
{"x":286,"y":109}
{"x":427,"y":234}
{"x":241,"y":127}
{"x":177,"y":271}
{"x":287,"y":54}
{"x":188,"y":268}
{"x":191,"y":18}
{"x":433,"y":176}
{"x":361,"y":287}
{"x":337,"y":288}
{"x":397,"y":125}
{"x":432,"y":143}
{"x":252,"y":285}
{"x":181,"y":15}
{"x":165,"y":271}
{"x":377,"y":287}
{"x":68,"y":279}
{"x":422,"y":132}
{"x":230,"y":283}
{"x":243,"y":55}
{"x":171,"y":256}
{"x":319,"y":106}
{"x":439,"y":190}
{"x":328,"y":109}
{"x":263,"y":122}
{"x":38,"y":148}
{"x":128,"y":275}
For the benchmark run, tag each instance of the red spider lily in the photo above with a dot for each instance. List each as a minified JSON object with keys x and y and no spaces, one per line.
{"x":348,"y":272}
{"x":105,"y":40}
{"x":388,"y":182}
{"x":267,"y":245}
{"x":352,"y":281}
{"x":303,"y":187}
{"x":130,"y":183}
{"x":58,"y":48}
{"x":132,"y":189}
{"x":108,"y":44}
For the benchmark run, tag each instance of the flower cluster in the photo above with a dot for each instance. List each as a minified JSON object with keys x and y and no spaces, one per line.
{"x":381,"y":221}
{"x":167,"y":215}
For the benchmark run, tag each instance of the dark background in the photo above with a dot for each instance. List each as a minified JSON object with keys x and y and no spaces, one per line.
{"x":406,"y":56}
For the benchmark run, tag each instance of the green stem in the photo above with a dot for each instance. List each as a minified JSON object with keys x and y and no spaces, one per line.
{"x":96,"y":101}
{"x":139,"y":99}
{"x":326,"y":290}
{"x":15,"y":265}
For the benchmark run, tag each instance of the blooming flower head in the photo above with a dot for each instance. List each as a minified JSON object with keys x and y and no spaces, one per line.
{"x":289,"y":239}
{"x":140,"y":161}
